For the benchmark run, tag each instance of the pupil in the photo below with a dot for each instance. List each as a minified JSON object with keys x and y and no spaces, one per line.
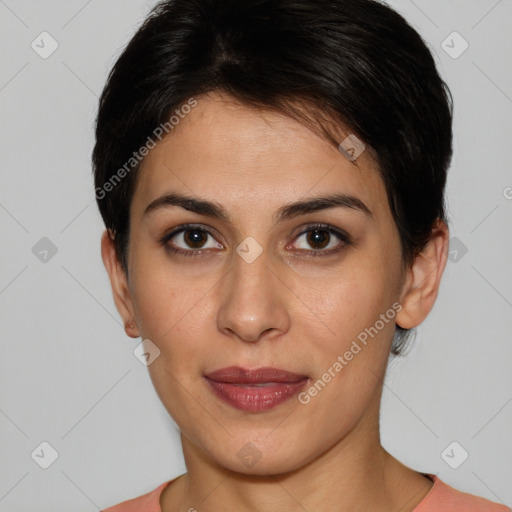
{"x":318,"y":237}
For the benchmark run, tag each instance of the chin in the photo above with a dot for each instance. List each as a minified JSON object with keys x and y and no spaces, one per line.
{"x":260,"y":459}
{"x":263,"y":468}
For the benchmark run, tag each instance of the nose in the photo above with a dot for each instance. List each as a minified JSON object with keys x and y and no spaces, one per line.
{"x":253,"y":303}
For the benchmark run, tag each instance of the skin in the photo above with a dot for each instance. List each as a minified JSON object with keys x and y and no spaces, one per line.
{"x":285,"y":310}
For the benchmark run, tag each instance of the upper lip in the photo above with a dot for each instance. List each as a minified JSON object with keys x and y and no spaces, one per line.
{"x":239,"y":375}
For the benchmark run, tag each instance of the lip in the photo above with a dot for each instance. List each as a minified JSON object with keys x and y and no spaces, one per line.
{"x":255,"y":390}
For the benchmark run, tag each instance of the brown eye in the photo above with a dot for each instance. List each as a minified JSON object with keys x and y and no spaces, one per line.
{"x":195,"y":238}
{"x":190,"y":240}
{"x":318,"y":238}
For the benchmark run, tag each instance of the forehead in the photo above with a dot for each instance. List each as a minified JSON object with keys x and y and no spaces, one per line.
{"x":247,"y":158}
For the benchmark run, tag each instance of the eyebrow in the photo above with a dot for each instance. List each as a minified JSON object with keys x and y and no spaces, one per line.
{"x":286,"y":212}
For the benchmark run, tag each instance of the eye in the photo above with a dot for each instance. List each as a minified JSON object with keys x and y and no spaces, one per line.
{"x":323,"y":239}
{"x":189,"y":240}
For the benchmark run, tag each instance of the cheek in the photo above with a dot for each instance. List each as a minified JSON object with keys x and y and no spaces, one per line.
{"x":349,"y":301}
{"x":174,"y":310}
{"x":353,"y":357}
{"x":171,"y":311}
{"x":164,"y":298}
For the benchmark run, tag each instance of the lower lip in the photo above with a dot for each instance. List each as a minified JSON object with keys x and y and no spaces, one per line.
{"x":253,"y":398}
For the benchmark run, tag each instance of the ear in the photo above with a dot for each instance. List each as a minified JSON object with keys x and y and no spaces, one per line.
{"x":423,"y":278}
{"x":119,"y":283}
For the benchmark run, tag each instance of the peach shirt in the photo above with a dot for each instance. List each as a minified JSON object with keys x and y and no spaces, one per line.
{"x":440,"y":498}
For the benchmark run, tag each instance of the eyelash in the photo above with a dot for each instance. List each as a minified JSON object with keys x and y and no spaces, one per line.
{"x":341,"y":235}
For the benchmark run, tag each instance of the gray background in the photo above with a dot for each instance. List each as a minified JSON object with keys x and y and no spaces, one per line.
{"x":68,"y":373}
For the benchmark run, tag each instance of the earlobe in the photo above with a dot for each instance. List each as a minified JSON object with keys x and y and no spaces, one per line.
{"x":423,"y":279}
{"x":119,"y":284}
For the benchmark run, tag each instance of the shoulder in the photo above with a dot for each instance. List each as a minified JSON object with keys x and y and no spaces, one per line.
{"x":444,"y":498}
{"x":149,"y":502}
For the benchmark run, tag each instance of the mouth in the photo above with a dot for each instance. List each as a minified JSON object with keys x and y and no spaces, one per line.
{"x":255,"y":390}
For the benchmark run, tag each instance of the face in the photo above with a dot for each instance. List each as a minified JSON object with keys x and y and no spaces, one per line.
{"x":263,"y":285}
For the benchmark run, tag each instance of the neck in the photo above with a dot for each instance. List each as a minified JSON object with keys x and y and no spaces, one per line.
{"x":356,"y":473}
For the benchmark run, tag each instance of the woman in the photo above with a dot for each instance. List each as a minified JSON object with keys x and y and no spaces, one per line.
{"x":271,"y":175}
